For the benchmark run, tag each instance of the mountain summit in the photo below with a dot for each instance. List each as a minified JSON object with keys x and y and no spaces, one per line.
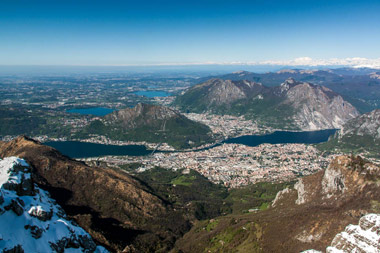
{"x":292,"y":105}
{"x":151,"y":123}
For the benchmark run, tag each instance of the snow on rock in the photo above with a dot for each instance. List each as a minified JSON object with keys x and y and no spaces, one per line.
{"x":359,"y":238}
{"x":30,"y":221}
{"x":364,"y":237}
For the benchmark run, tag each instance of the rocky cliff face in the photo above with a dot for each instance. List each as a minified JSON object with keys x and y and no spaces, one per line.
{"x":316,"y":107}
{"x":365,"y":125}
{"x":297,"y":105}
{"x":30,"y":220}
{"x":359,"y":135}
{"x":118,"y":211}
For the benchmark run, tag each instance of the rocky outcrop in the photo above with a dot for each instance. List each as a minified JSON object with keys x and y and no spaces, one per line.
{"x":117,"y":210}
{"x":25,"y":226}
{"x":279,"y":196}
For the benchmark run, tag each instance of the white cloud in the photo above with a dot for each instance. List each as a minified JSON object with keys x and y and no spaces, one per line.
{"x":356,"y":62}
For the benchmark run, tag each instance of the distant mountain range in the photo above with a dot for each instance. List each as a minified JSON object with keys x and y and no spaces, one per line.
{"x":361,"y":134}
{"x":151,"y":123}
{"x":292,"y":105}
{"x":359,"y":86}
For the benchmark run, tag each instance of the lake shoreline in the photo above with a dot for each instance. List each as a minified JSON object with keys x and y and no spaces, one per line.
{"x":277,"y":137}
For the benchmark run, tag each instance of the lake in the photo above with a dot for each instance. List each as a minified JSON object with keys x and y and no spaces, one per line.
{"x":152,"y":93}
{"x":78,"y":149}
{"x":278,"y":137}
{"x":97,"y":111}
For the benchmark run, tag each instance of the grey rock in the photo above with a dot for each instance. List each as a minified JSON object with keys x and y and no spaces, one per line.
{"x":1,"y":198}
{"x":16,"y":207}
{"x":60,"y":245}
{"x":365,"y":125}
{"x":41,"y":214}
{"x":25,"y":187}
{"x":16,"y":249}
{"x":35,"y":231}
{"x":87,"y":243}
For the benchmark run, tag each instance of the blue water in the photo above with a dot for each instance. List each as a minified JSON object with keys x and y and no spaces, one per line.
{"x":84,"y":149}
{"x":77,"y":149}
{"x":278,"y":137}
{"x":152,"y":93}
{"x":97,"y":111}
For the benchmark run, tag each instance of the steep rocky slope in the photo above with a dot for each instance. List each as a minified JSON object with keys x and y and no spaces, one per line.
{"x":30,"y":220}
{"x":361,"y":134}
{"x":317,"y":107}
{"x":117,"y":210}
{"x":366,"y":124}
{"x":292,"y":105}
{"x":359,"y":86}
{"x":307,"y":216}
{"x":151,"y":123}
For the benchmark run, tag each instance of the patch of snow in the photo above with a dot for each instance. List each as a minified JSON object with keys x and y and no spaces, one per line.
{"x":364,"y":237}
{"x":19,"y":226}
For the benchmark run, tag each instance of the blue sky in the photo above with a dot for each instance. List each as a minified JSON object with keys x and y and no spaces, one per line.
{"x":159,"y":32}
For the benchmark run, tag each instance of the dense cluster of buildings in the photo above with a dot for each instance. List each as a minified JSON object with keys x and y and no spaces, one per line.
{"x":227,"y":126}
{"x":236,"y":165}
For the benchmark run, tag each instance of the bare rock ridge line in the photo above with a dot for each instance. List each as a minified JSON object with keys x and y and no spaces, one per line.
{"x":113,"y":207}
{"x":300,"y":105}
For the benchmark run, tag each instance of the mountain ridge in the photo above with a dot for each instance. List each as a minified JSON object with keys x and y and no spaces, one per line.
{"x":361,"y":134}
{"x":117,"y":210}
{"x":292,"y":106}
{"x":150,"y":123}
